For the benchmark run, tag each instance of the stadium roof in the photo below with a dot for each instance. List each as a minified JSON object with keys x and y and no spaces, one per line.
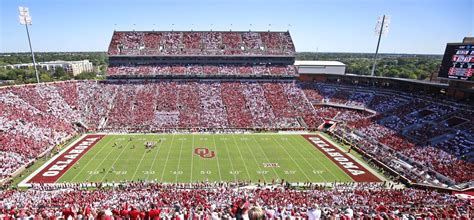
{"x":318,"y":63}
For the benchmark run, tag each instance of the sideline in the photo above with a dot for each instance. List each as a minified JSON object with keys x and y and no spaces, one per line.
{"x":26,"y":182}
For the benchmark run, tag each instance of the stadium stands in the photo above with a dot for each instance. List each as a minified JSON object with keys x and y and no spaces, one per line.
{"x":222,"y":201}
{"x":200,"y":43}
{"x":36,"y":118}
{"x":233,"y":82}
{"x":201,"y":54}
{"x":202,"y":70}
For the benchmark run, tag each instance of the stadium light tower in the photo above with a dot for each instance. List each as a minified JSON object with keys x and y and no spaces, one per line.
{"x":25,"y":19}
{"x":381,"y":28}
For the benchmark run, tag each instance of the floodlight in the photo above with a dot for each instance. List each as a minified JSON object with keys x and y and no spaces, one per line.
{"x":25,"y":19}
{"x":381,"y":28}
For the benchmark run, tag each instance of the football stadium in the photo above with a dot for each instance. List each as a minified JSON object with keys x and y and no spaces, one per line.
{"x":224,"y":125}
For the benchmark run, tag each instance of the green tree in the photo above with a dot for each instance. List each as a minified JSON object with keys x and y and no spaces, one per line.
{"x":59,"y":72}
{"x":45,"y":77}
{"x":85,"y":75}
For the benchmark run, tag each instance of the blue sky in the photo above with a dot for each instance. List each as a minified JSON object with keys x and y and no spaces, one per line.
{"x":418,"y":26}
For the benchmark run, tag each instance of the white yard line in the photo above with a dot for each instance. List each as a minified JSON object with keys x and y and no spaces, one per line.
{"x":115,"y":161}
{"x":255,"y":159}
{"x":230,"y":160}
{"x":217,"y":157}
{"x":154,"y":159}
{"x":192,"y":158}
{"x":316,"y":156}
{"x":301,"y":170}
{"x":138,"y":166}
{"x":179,"y":160}
{"x":268,"y":159}
{"x":317,"y":159}
{"x":317,"y":149}
{"x":167,"y":157}
{"x":95,"y":155}
{"x":243,"y":161}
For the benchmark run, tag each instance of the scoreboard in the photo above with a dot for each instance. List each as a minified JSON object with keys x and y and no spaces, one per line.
{"x":458,"y":62}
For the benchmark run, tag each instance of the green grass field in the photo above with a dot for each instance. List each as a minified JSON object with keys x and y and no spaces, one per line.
{"x":236,"y":157}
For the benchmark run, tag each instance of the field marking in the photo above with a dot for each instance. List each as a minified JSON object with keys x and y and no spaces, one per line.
{"x":255,"y":159}
{"x":243,"y":161}
{"x":295,"y":143}
{"x":24,"y":182}
{"x":87,"y":164}
{"x":192,"y":158}
{"x":355,"y":158}
{"x":268,"y":159}
{"x":217,"y":158}
{"x":310,"y":164}
{"x":154,"y":158}
{"x":138,"y":166}
{"x":116,"y":159}
{"x":167,"y":157}
{"x":304,"y":173}
{"x":139,"y":163}
{"x":230,"y":160}
{"x":179,"y":159}
{"x":351,"y":167}
{"x":317,"y":158}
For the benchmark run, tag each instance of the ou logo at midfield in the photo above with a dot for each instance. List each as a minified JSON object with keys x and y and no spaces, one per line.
{"x":204,"y":152}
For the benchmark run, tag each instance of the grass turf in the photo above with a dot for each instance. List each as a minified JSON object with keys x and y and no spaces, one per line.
{"x":264,"y":157}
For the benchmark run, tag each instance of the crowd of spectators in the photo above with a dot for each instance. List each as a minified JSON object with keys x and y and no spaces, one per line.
{"x":423,"y":131}
{"x":224,"y":201}
{"x":202,"y":70}
{"x":375,"y":150}
{"x":201,"y":43}
{"x":35,"y":118}
{"x":32,"y":120}
{"x":340,"y":113}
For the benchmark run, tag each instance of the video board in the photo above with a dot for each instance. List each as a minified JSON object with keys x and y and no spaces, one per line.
{"x":458,"y":62}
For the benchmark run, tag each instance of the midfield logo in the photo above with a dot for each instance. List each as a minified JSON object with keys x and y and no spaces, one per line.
{"x":204,"y":152}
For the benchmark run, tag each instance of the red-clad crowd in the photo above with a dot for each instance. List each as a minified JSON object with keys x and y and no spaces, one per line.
{"x":417,"y":129}
{"x":201,"y":43}
{"x":434,"y":137}
{"x":225,"y":201}
{"x":202,"y":70}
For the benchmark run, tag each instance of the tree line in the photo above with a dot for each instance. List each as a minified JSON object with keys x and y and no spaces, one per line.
{"x":96,"y":58}
{"x":21,"y":76}
{"x":411,"y":66}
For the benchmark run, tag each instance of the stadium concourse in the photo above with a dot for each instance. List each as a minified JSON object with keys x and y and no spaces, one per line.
{"x":233,"y":82}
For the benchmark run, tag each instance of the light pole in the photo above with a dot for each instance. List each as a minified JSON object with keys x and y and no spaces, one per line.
{"x":25,"y":19}
{"x":381,"y":28}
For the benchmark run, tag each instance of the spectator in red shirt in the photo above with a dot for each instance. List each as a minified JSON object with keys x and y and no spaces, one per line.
{"x":154,"y":212}
{"x":67,"y":212}
{"x":134,"y":214}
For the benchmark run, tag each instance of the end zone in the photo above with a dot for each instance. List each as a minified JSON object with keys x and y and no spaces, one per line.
{"x":351,"y":167}
{"x":51,"y":171}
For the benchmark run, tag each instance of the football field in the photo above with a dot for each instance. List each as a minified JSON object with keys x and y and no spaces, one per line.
{"x":202,"y":157}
